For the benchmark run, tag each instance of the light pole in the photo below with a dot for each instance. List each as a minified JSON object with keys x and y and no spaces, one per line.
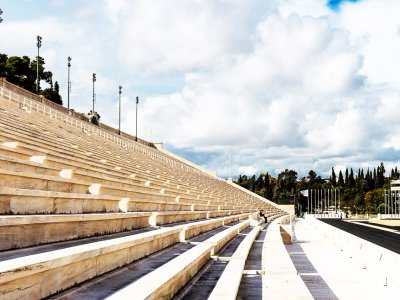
{"x":137,"y":102}
{"x":69,"y":82}
{"x":119,"y":114}
{"x":94,"y":96}
{"x":38,"y":44}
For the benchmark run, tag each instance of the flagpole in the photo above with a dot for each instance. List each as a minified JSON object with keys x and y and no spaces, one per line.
{"x":320,"y":202}
{"x":385,"y":197}
{"x":329,"y":194}
{"x":315,"y":201}
{"x":335,"y":202}
{"x":391,"y":204}
{"x":329,"y":198}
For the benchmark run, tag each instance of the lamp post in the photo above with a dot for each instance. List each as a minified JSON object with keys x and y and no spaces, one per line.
{"x":119,"y":114}
{"x":137,"y":102}
{"x":38,"y":44}
{"x":69,"y":82}
{"x":94,"y":96}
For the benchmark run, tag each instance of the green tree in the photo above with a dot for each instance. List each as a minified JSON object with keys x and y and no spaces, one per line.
{"x":53,"y":94}
{"x":380,"y":176}
{"x":314,"y":181}
{"x":369,"y":179}
{"x":352,"y":182}
{"x":341,"y":180}
{"x":22,"y":71}
{"x":240,"y":180}
{"x":333,"y":178}
{"x":18,"y":72}
{"x":285,"y":187}
{"x":3,"y":65}
{"x":252,"y":183}
{"x":268,"y":186}
{"x":374,"y":201}
{"x":260,"y":183}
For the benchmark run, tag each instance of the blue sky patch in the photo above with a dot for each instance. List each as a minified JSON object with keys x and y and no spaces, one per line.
{"x":199,"y":158}
{"x":335,"y":4}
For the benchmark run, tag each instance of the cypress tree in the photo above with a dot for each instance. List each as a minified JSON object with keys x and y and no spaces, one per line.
{"x":240,"y":180}
{"x":260,"y":183}
{"x":266,"y":185}
{"x":253,"y":183}
{"x":333,"y":178}
{"x":381,"y":175}
{"x":352,"y":182}
{"x":340,"y":180}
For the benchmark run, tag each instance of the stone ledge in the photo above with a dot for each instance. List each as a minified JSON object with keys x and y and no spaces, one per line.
{"x":165,"y":217}
{"x":190,"y":230}
{"x":27,"y":201}
{"x":42,"y":182}
{"x":17,"y":232}
{"x":165,"y":281}
{"x":46,"y":273}
{"x":49,"y":272}
{"x":221,"y":238}
{"x":15,"y":220}
{"x":32,"y":165}
{"x":42,"y":176}
{"x":28,"y":265}
{"x":229,"y":282}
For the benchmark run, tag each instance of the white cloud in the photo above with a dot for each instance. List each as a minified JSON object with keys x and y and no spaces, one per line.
{"x":264,"y":98}
{"x":160,"y":37}
{"x":377,"y":23}
{"x":281,"y":83}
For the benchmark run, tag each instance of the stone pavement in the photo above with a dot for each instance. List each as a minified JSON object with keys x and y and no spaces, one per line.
{"x":321,"y":268}
{"x":281,"y":280}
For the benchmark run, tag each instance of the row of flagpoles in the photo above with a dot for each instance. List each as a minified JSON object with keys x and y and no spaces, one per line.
{"x":392,"y":203}
{"x":320,"y":201}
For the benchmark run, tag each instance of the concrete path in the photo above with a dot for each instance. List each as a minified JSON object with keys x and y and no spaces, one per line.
{"x":328,"y":273}
{"x":281,"y":280}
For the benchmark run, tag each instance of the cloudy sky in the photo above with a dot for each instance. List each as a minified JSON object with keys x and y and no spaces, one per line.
{"x":274,"y":84}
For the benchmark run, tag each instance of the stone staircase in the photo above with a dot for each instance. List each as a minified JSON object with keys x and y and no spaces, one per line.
{"x":77,"y":203}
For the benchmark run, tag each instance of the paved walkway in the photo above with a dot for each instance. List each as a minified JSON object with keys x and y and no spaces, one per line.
{"x":329,"y":273}
{"x":281,"y":280}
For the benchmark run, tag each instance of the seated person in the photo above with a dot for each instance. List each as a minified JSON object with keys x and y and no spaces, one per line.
{"x":262,"y":215}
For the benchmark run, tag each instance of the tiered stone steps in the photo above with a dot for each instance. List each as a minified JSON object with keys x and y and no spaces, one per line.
{"x":116,"y":283}
{"x":75,"y":206}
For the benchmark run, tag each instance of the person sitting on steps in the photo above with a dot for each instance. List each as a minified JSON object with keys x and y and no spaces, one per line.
{"x":262,"y":215}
